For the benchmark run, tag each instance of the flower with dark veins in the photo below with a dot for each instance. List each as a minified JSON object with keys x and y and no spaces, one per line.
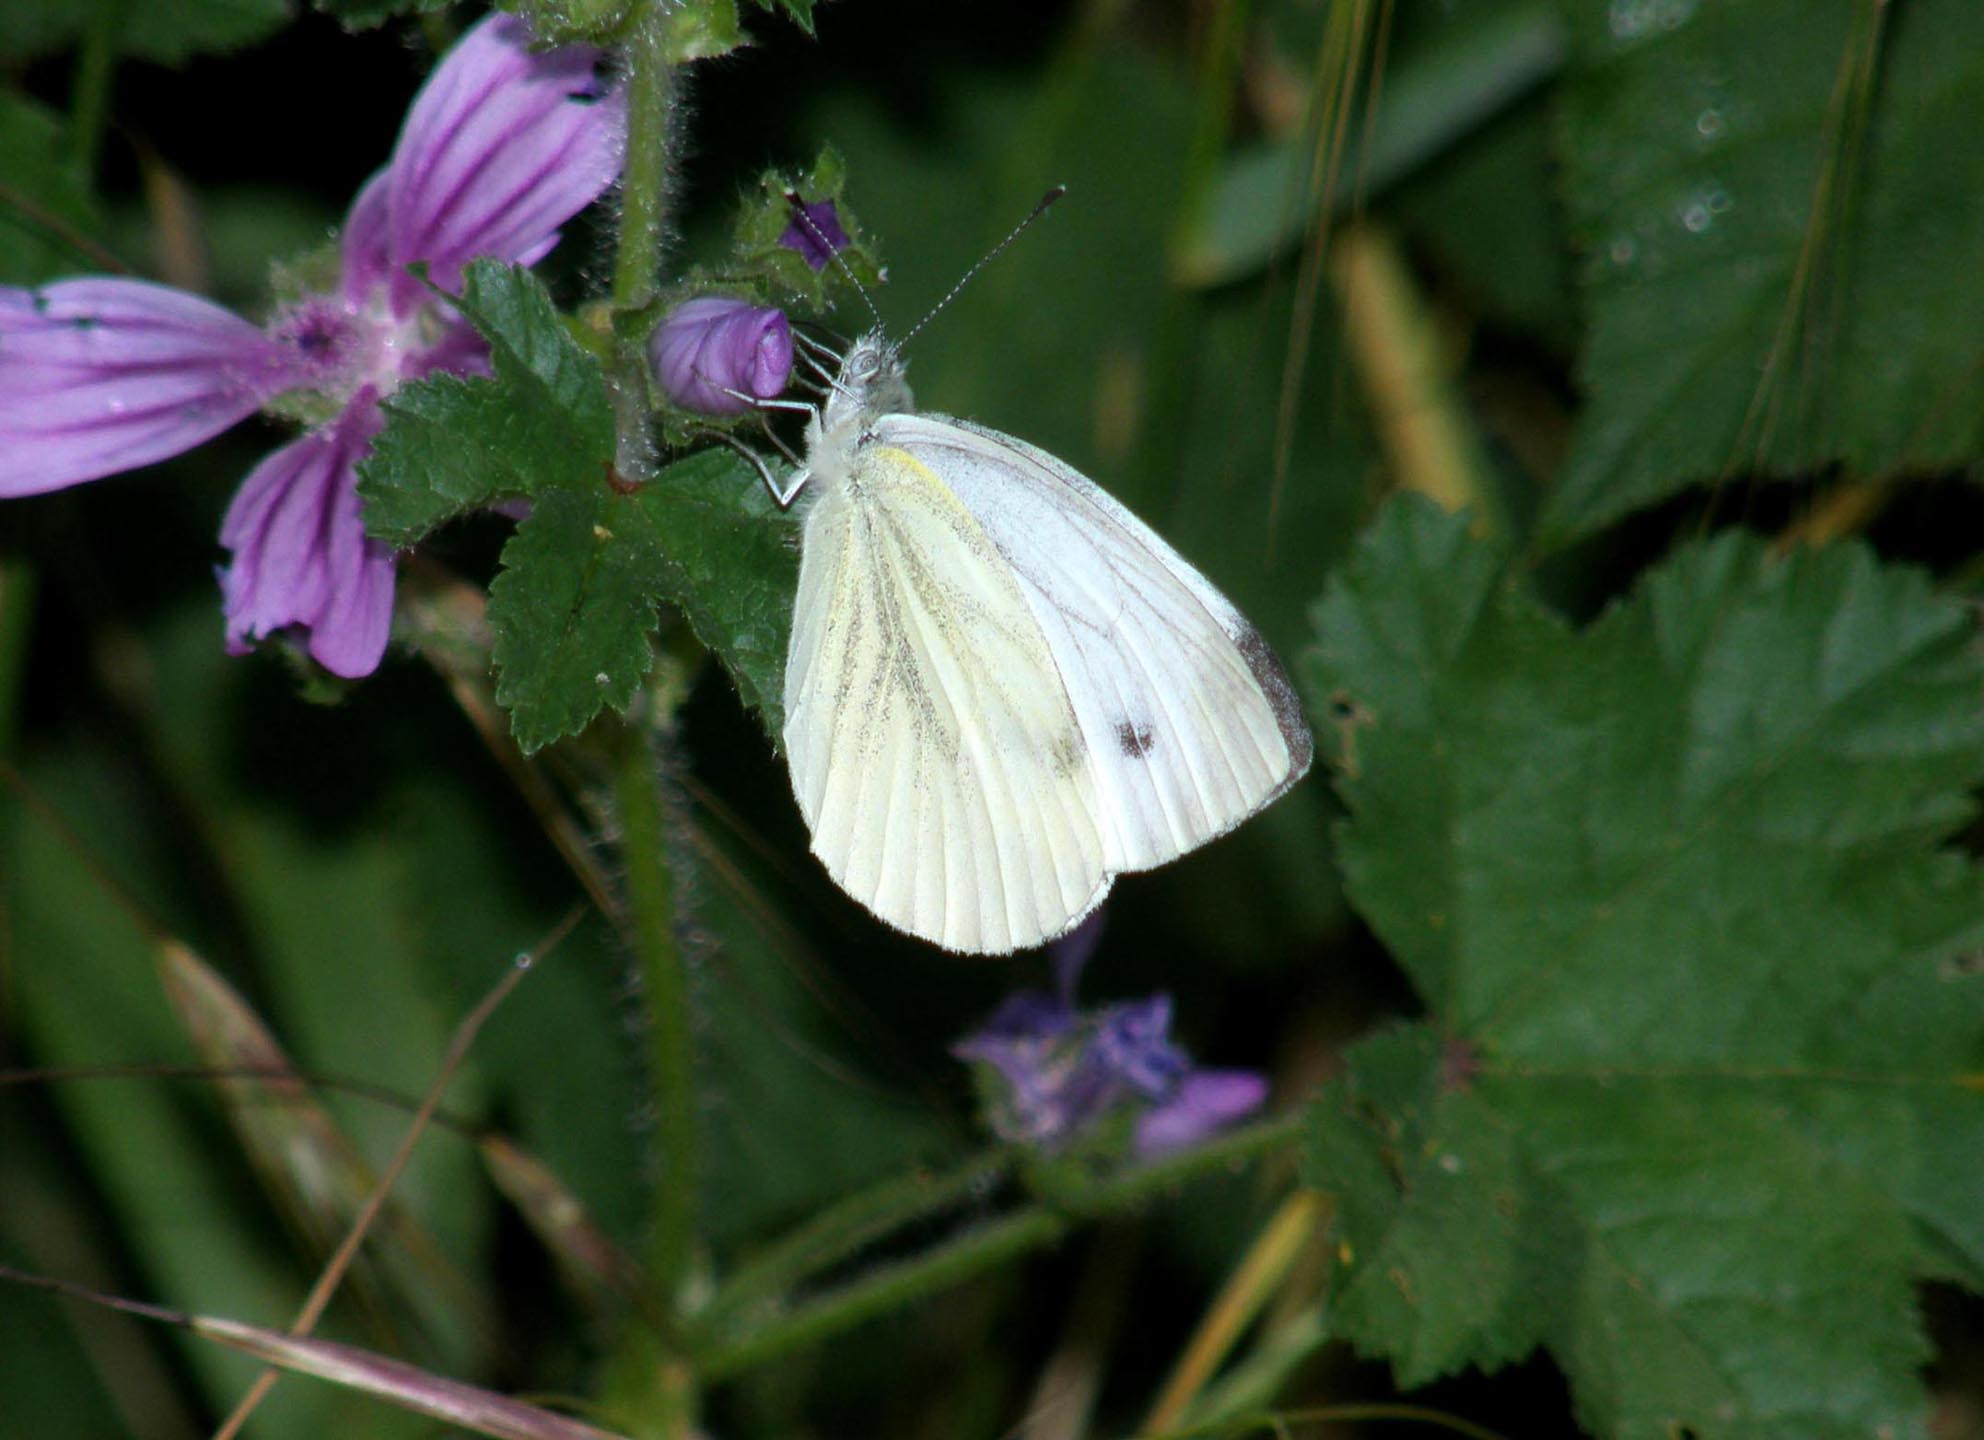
{"x":717,"y":354}
{"x":98,"y":375}
{"x":1054,"y":1073}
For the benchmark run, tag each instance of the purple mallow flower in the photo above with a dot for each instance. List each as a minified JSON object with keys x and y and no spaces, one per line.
{"x":713,"y":352}
{"x":815,"y":232}
{"x":1058,"y":1071}
{"x":99,"y":376}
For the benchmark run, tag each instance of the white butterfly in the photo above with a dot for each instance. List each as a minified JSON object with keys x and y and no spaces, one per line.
{"x":1003,"y":689}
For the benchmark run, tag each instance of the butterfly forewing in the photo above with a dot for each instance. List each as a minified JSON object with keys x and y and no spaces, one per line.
{"x":934,"y":751}
{"x":1189,"y":720}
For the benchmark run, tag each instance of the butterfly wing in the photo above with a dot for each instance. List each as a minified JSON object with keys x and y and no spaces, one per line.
{"x":1190,"y":720}
{"x":933,"y":750}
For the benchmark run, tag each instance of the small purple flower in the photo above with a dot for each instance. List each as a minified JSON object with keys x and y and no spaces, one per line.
{"x":815,"y":232}
{"x":713,"y":351}
{"x":1056,"y":1071}
{"x":98,"y":376}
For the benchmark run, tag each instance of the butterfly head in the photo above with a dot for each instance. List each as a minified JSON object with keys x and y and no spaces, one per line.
{"x":870,"y":383}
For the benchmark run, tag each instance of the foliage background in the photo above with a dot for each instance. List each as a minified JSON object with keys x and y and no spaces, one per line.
{"x":1664,"y":272}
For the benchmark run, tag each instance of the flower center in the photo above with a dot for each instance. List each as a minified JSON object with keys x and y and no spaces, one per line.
{"x":338,"y":347}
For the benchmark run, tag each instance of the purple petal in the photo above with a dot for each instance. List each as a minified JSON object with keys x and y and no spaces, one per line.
{"x":365,"y":259}
{"x":500,"y":148}
{"x":816,"y":233}
{"x":1205,"y":1101}
{"x":99,"y":376}
{"x":712,"y":345}
{"x":301,"y":556}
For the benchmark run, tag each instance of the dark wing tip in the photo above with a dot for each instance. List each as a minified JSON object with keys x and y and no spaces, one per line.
{"x":1282,"y":701}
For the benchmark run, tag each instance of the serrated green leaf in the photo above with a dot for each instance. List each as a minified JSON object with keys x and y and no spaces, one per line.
{"x":46,"y":197}
{"x":453,"y":444}
{"x":572,"y":612}
{"x":1781,"y":272}
{"x":703,"y":535}
{"x":733,"y":559}
{"x":532,"y":349}
{"x":165,"y":34}
{"x":1689,"y":1108}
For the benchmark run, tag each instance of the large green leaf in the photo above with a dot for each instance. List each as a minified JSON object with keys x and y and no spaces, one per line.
{"x":1689,"y":1106}
{"x":1780,"y":272}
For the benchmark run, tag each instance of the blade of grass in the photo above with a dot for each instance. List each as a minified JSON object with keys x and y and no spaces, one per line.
{"x":458,"y":1048}
{"x":408,"y":1386}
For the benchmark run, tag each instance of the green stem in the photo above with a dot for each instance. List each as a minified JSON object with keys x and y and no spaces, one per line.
{"x":649,"y":1378}
{"x":643,"y":217}
{"x":642,"y":795}
{"x":892,"y":1287}
{"x":852,"y":1224}
{"x":644,"y":182}
{"x":96,"y":65}
{"x":986,"y":1247}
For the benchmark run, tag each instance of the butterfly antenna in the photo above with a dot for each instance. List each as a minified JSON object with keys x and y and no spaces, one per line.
{"x":989,"y":256}
{"x":797,"y":204}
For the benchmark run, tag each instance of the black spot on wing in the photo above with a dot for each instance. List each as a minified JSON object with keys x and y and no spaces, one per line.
{"x":1137,"y":740}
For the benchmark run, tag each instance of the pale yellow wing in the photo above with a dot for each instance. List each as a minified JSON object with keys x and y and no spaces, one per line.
{"x":933,"y":748}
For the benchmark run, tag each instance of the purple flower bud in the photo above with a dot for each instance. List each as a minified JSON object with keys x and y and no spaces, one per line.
{"x":815,"y":232}
{"x":710,"y":347}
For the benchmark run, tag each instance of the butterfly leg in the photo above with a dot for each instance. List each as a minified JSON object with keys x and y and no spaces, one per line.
{"x":782,"y":495}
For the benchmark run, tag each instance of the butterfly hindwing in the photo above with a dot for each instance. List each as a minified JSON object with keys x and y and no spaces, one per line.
{"x":934,"y":751}
{"x":1190,"y":722}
